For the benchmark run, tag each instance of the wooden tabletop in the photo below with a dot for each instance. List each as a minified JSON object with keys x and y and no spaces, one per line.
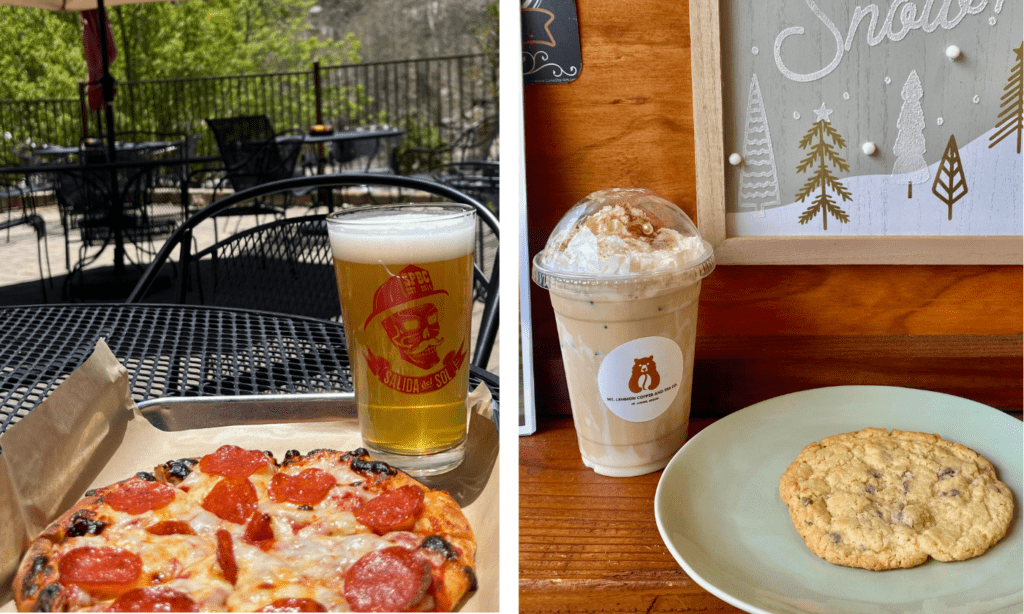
{"x":589,"y":543}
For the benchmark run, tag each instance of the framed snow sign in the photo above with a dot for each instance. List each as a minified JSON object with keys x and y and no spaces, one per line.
{"x":878,"y":131}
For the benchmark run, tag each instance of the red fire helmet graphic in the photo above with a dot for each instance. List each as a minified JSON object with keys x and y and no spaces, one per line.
{"x":415,"y":330}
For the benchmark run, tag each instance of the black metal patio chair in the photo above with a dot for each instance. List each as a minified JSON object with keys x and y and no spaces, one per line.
{"x":478,"y":178}
{"x":286,"y":265}
{"x":253,"y":153}
{"x":474,"y":143}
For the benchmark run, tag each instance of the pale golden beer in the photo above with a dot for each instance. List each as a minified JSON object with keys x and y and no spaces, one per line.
{"x":405,"y":280}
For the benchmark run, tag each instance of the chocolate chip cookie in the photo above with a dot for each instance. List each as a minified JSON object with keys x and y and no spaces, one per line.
{"x":880,"y":500}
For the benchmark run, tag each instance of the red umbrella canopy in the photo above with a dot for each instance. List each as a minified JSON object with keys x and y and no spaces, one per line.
{"x":94,"y":54}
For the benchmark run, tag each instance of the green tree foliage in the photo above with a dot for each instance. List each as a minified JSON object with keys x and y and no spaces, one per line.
{"x":163,"y":40}
{"x":42,"y":55}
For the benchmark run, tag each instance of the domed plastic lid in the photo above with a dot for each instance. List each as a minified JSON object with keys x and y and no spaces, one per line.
{"x":619,"y":237}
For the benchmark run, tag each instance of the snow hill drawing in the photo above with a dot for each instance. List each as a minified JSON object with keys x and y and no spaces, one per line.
{"x":866,"y":119}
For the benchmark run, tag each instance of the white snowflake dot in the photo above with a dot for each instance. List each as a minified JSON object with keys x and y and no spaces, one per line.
{"x":888,"y":80}
{"x":755,"y":50}
{"x":976,"y":99}
{"x":846,"y":95}
{"x":940,"y":121}
{"x":796,"y":114}
{"x":992,"y":21}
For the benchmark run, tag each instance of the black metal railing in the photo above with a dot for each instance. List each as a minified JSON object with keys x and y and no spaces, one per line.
{"x":432,"y":99}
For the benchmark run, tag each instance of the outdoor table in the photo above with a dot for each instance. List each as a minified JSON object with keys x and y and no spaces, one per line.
{"x":116,"y":218}
{"x":588,"y":542}
{"x":152,"y":147}
{"x":339,"y":138}
{"x":175,"y":351}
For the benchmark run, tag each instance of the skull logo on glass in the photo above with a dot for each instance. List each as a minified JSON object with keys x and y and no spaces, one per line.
{"x":414,"y":330}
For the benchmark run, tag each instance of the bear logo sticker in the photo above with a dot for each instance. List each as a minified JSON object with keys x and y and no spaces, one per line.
{"x":640,"y":379}
{"x":645,"y":375}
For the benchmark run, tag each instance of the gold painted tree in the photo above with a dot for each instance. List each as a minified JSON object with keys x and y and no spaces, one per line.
{"x":1011,"y":117}
{"x":816,"y":141}
{"x":950,"y":183}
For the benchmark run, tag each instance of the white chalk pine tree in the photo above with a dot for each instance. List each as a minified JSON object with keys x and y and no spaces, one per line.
{"x":759,"y":179}
{"x":910,"y":145}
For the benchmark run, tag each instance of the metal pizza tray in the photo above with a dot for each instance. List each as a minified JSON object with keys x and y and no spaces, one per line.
{"x":184,"y":413}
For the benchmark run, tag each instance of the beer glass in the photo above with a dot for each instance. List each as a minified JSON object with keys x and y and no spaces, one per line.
{"x":405,"y":281}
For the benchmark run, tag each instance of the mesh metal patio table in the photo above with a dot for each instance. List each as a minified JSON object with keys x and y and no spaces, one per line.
{"x":174,"y":351}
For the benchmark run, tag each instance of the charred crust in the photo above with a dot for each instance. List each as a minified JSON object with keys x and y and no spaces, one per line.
{"x":145,"y":475}
{"x":84,"y":522}
{"x":92,"y":492}
{"x":359,"y":464}
{"x":357,"y":453}
{"x":318,"y":450}
{"x":471,"y":575}
{"x":290,"y":454}
{"x":48,"y":598}
{"x":441,"y":545}
{"x":378,"y":468}
{"x":29,"y":584}
{"x":306,"y":508}
{"x":179,"y":469}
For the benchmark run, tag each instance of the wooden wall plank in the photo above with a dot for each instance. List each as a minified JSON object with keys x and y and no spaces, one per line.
{"x":627,"y":121}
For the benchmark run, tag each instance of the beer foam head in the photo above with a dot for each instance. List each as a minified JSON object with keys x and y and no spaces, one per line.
{"x":622,"y":234}
{"x":400,"y":235}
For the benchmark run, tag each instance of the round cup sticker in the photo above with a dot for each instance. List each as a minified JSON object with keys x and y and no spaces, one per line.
{"x":639,"y":379}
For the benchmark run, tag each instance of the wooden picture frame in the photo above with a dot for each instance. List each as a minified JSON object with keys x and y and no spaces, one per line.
{"x":709,"y":144}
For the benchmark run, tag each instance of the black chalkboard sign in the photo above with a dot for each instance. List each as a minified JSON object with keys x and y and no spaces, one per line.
{"x":551,"y":41}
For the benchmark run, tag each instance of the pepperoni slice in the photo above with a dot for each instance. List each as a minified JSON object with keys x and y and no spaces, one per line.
{"x":233,"y":462}
{"x":136,"y":496}
{"x":293,"y":604}
{"x":226,"y":556}
{"x":307,"y":488}
{"x":170,"y":527}
{"x":259,"y":532}
{"x":389,"y":580}
{"x":393,"y":510}
{"x":100,"y":569}
{"x":153,"y":599}
{"x":231,"y":499}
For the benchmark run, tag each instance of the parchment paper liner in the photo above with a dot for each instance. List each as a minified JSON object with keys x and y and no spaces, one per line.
{"x":89,"y":433}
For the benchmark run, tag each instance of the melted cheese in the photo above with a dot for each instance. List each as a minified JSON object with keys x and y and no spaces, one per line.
{"x":311,"y":551}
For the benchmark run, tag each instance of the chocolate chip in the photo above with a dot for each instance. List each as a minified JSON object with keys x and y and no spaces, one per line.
{"x":875,"y":474}
{"x":805,"y":501}
{"x":868,"y":488}
{"x":835,"y":537}
{"x":947,"y":472}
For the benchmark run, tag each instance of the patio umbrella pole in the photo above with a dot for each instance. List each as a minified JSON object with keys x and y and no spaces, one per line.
{"x":107,"y":87}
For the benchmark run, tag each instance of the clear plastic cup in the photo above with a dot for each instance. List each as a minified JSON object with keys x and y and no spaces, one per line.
{"x":623,"y":269}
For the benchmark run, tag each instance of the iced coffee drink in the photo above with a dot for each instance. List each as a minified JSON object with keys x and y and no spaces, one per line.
{"x":623,"y":269}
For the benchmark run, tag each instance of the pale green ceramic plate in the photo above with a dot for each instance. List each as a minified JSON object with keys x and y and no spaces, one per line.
{"x":719,"y":511}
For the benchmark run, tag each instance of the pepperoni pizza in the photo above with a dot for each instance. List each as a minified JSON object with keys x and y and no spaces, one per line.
{"x":237,"y":530}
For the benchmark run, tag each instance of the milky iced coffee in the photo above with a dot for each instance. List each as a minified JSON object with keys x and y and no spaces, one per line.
{"x":623,"y":268}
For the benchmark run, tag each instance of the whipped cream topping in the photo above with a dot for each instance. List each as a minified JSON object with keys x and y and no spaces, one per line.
{"x":620,"y":240}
